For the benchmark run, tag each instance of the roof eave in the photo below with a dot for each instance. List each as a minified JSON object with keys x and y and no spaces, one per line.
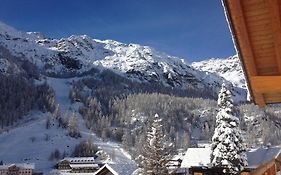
{"x":236,"y":45}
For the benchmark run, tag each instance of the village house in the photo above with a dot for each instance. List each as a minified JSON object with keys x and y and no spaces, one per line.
{"x":261,"y":161}
{"x":78,"y":165}
{"x":116,"y":169}
{"x":17,"y":169}
{"x":175,"y":163}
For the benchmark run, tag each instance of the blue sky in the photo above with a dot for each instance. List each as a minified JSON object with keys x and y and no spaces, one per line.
{"x":190,"y":29}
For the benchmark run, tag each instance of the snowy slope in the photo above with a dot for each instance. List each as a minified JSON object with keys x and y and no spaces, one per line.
{"x":229,"y":68}
{"x":27,"y":143}
{"x":17,"y":146}
{"x":78,"y":54}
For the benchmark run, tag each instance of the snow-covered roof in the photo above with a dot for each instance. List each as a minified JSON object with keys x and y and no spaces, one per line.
{"x":196,"y":157}
{"x":259,"y":156}
{"x":107,"y":167}
{"x":84,"y":165}
{"x":20,"y":165}
{"x":118,"y":169}
{"x":79,"y":159}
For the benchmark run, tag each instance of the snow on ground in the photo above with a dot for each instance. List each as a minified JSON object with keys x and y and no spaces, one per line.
{"x":31,"y":142}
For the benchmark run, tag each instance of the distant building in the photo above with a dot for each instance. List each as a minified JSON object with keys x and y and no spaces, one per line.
{"x":78,"y":165}
{"x":106,"y":170}
{"x":262,"y":161}
{"x":175,"y":163}
{"x":17,"y":169}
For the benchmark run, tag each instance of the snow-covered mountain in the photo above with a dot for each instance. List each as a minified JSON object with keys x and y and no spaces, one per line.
{"x":230,"y":69}
{"x":79,"y":54}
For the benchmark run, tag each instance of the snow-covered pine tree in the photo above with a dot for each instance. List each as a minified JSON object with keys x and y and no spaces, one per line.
{"x":228,"y":148}
{"x":73,"y":129}
{"x":156,"y":152}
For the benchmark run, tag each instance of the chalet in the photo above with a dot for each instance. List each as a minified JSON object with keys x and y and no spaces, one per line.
{"x":261,"y":161}
{"x":78,"y":165}
{"x":256,"y":29}
{"x":17,"y":169}
{"x":175,"y":163}
{"x":116,"y":169}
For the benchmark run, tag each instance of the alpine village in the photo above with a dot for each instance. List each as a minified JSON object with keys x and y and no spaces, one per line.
{"x":84,"y":106}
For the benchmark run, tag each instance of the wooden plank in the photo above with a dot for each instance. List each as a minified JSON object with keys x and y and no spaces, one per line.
{"x":265,"y":60}
{"x":252,"y":2}
{"x":243,"y":38}
{"x":255,"y":34}
{"x":276,"y":29}
{"x":259,"y":99}
{"x":255,"y":14}
{"x":260,"y":37}
{"x":266,"y":84}
{"x":269,"y":71}
{"x":254,"y":6}
{"x":256,"y":18}
{"x":264,"y":56}
{"x":267,"y":64}
{"x":262,"y":42}
{"x":257,"y":21}
{"x":274,"y":169}
{"x":266,"y":29}
{"x":265,"y":52}
{"x":272,"y":97}
{"x":264,"y":47}
{"x":266,"y":73}
{"x":255,"y":11}
{"x":238,"y":19}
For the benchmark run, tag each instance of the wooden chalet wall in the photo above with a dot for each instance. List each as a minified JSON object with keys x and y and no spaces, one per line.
{"x":256,"y":26}
{"x":269,"y":168}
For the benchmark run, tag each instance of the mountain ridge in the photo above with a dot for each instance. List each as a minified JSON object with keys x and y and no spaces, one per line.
{"x":78,"y":54}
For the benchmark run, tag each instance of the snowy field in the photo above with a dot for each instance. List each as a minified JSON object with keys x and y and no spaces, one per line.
{"x":31,"y":142}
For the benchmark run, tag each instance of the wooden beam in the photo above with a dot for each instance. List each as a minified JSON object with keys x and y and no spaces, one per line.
{"x":274,"y":9}
{"x":237,"y":16}
{"x":245,"y":46}
{"x":259,"y":99}
{"x":275,"y":168}
{"x":266,"y":84}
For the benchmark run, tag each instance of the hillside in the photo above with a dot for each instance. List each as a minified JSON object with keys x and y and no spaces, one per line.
{"x":229,"y":68}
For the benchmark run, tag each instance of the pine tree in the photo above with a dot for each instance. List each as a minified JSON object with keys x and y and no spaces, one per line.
{"x":73,"y":129}
{"x":126,"y":139}
{"x":156,"y":151}
{"x":228,"y":149}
